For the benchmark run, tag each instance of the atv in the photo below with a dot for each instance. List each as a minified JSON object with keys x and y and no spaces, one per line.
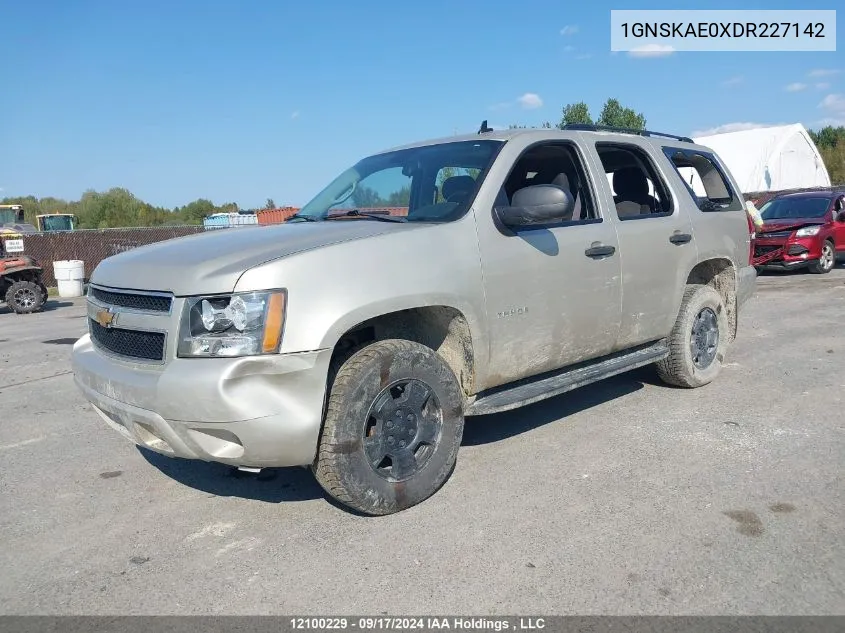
{"x":21,"y":282}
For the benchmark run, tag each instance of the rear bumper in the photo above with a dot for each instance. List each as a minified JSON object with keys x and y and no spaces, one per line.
{"x":746,"y":283}
{"x":259,"y":411}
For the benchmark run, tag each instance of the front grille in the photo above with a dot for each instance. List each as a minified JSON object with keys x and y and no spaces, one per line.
{"x":151,"y":303}
{"x":762,"y":250}
{"x":775,"y":235}
{"x":129,"y":343}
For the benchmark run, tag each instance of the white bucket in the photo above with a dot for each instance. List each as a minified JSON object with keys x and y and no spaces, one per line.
{"x":71,"y":287}
{"x":70,"y":275}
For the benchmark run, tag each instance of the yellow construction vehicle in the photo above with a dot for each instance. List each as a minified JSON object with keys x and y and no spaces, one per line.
{"x":11,"y":214}
{"x":56,"y":222}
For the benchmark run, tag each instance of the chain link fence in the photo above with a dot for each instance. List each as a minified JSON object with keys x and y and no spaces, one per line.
{"x":93,"y":245}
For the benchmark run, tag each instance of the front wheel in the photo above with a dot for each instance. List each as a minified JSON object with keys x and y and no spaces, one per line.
{"x":698,"y":341}
{"x":827,"y":260}
{"x":394,"y":422}
{"x":24,"y":297}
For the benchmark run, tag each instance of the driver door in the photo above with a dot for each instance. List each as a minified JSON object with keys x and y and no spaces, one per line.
{"x":549,"y":302}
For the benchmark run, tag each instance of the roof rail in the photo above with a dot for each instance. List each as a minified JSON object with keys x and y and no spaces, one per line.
{"x":623,"y":130}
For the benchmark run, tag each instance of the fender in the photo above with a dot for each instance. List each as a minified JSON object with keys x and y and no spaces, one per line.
{"x":7,"y":270}
{"x":377,"y":309}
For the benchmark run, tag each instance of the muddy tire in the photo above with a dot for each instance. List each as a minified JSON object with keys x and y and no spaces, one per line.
{"x":827,"y":261}
{"x":24,"y":297}
{"x":698,"y":341}
{"x":393,"y":425}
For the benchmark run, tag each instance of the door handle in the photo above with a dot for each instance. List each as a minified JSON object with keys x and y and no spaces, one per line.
{"x":680,"y":238}
{"x":600,"y":250}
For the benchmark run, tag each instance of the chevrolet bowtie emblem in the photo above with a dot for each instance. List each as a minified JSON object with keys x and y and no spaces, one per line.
{"x":105,"y":318}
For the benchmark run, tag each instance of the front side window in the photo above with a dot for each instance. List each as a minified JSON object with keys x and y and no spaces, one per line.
{"x":638,"y":190}
{"x":434,"y":183}
{"x":559,"y":164}
{"x":795,"y":208}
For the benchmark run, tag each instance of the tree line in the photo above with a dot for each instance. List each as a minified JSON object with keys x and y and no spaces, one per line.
{"x":831,"y":143}
{"x":119,"y":207}
{"x":613,"y":114}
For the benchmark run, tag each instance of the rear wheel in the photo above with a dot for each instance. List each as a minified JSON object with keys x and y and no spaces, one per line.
{"x":392,"y":429}
{"x":698,"y":341}
{"x":827,"y":260}
{"x":25,"y":297}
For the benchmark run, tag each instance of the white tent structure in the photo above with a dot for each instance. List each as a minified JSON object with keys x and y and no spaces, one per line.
{"x":767,"y":159}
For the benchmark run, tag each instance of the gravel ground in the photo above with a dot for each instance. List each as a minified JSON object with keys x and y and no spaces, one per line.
{"x":624,"y":497}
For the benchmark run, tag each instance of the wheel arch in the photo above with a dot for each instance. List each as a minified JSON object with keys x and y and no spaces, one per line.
{"x":444,"y":328}
{"x":721,"y":274}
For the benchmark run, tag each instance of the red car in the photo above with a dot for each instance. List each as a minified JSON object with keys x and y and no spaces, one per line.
{"x":802,"y":230}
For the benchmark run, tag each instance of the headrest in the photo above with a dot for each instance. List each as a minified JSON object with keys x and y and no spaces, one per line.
{"x":630,"y":181}
{"x":562,"y":181}
{"x":453,"y":185}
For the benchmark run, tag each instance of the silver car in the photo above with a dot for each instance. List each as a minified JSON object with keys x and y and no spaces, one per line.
{"x":447,"y":278}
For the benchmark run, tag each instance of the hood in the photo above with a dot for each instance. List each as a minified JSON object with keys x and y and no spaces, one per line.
{"x":790,"y":223}
{"x":212,"y":262}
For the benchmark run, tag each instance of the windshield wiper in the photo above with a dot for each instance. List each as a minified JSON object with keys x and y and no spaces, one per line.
{"x":307,"y":218}
{"x":374,"y":216}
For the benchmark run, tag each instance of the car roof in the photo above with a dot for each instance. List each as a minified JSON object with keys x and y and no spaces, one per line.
{"x":550,"y":133}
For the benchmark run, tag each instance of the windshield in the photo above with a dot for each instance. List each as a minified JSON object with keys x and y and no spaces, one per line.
{"x":11,"y":215}
{"x":795,"y":208}
{"x":434,"y":183}
{"x":57,"y":223}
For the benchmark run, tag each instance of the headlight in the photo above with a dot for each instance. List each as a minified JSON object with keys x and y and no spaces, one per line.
{"x":808,"y":231}
{"x":243,"y":324}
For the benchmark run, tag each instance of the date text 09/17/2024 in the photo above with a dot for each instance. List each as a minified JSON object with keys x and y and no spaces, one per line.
{"x":388,"y":623}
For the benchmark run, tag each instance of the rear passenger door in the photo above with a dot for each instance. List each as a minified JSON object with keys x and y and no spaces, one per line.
{"x":655,"y":236}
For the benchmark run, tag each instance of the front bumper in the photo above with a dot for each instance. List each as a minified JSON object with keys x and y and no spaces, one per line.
{"x":793,"y":264}
{"x":797,"y":251}
{"x":256,"y":411}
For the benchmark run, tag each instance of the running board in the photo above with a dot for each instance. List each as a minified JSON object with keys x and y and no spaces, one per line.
{"x":536,"y":388}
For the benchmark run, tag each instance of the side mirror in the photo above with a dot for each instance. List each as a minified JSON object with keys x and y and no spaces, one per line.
{"x":839,"y":205}
{"x":537,"y":204}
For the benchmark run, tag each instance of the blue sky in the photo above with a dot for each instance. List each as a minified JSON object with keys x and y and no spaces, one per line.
{"x":241,"y":101}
